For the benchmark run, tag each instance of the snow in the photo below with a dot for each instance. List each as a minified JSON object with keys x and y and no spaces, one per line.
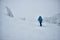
{"x":21,"y":22}
{"x":55,"y":19}
{"x":16,"y":29}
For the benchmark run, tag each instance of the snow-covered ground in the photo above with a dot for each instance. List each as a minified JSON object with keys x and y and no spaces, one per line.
{"x":19,"y":20}
{"x":16,"y":29}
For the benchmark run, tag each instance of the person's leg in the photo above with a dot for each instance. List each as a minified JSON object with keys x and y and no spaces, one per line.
{"x":40,"y":24}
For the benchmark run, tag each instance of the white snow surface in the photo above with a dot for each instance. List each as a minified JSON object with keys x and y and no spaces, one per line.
{"x":16,"y":29}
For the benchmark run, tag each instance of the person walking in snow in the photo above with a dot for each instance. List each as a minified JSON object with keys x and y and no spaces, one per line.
{"x":40,"y":20}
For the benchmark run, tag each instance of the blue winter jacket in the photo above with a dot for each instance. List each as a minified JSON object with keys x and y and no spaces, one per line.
{"x":40,"y":19}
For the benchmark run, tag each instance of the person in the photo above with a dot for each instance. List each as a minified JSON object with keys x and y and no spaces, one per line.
{"x":40,"y":20}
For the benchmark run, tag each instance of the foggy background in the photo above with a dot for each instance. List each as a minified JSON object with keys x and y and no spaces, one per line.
{"x":31,"y":7}
{"x":18,"y":19}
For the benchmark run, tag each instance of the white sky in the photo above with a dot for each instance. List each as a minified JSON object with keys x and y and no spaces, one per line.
{"x":31,"y":8}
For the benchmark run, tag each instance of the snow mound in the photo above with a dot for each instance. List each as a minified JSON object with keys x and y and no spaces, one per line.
{"x":55,"y":19}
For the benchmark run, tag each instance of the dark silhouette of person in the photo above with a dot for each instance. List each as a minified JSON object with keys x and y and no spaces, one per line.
{"x":40,"y":20}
